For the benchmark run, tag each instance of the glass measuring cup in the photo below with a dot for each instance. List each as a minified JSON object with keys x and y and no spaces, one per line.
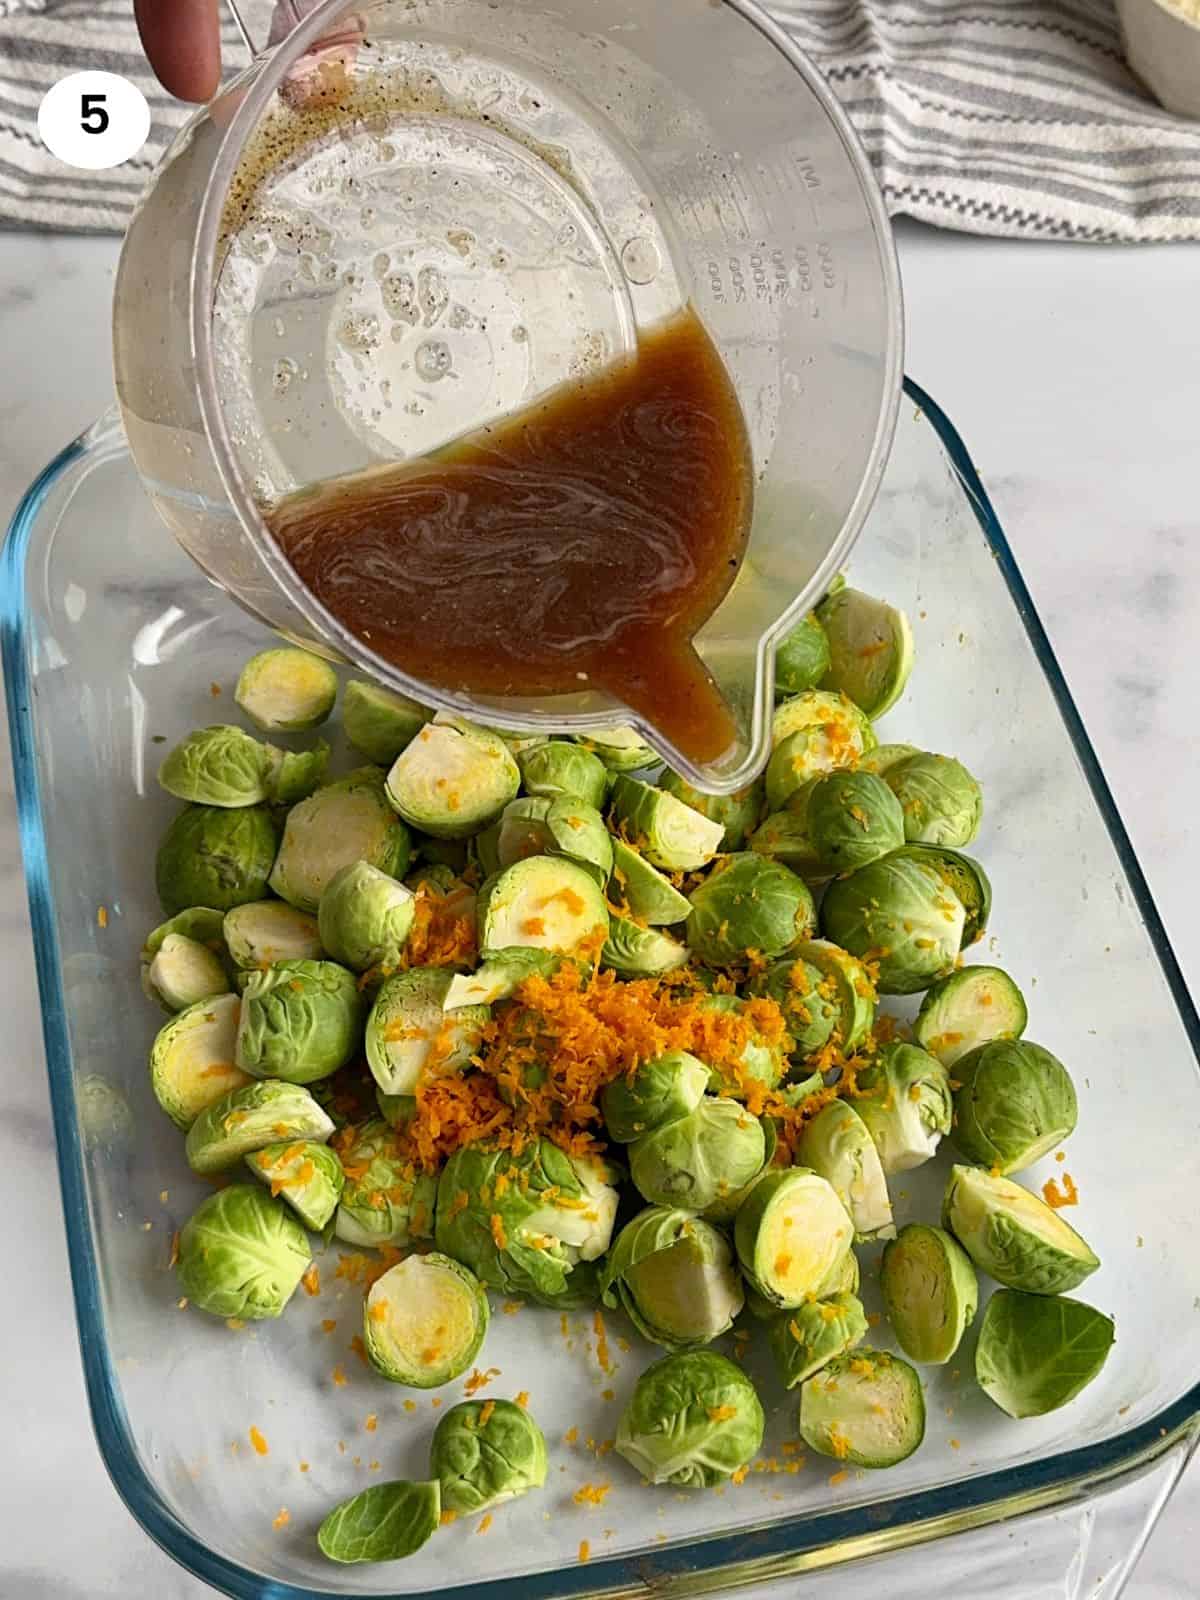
{"x":414,"y":216}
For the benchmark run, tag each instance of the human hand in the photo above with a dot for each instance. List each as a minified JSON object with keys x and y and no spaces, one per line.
{"x":182,"y":41}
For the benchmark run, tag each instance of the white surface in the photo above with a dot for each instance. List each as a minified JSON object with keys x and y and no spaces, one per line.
{"x":1073,"y":373}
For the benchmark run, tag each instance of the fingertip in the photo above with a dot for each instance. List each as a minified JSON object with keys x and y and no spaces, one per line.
{"x":182,"y":42}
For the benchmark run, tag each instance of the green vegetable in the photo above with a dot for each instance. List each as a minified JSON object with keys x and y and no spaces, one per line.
{"x":738,"y":813}
{"x":295,"y":774}
{"x":811,"y":1013}
{"x":453,"y":778}
{"x":701,"y":1159}
{"x":263,"y":932}
{"x":930,"y":1291}
{"x":384,"y":1200}
{"x":637,"y":952}
{"x":218,"y":766}
{"x":693,"y":1419}
{"x":183,"y":972}
{"x":865,"y":1409}
{"x":424,"y":1321}
{"x":301,"y":1020}
{"x":675,"y":1277}
{"x":397,"y":1110}
{"x":884,"y":757}
{"x":1036,"y":1353}
{"x":559,"y":770}
{"x":940,"y":801}
{"x":380,"y":723}
{"x":386,"y":1522}
{"x":748,"y":903}
{"x":485,"y":1452}
{"x":241,"y":1254}
{"x":852,"y":818}
{"x":804,"y":1340}
{"x":969,"y":1008}
{"x":621,"y":749}
{"x":898,"y":913}
{"x":965,"y":879}
{"x":542,"y":903}
{"x":837,"y":1144}
{"x":654,"y":1093}
{"x":286,"y":690}
{"x":308,"y":1176}
{"x":1014,"y":1103}
{"x":215,"y":857}
{"x":251,"y":1118}
{"x":903,"y":1096}
{"x":813,"y":733}
{"x":850,"y":983}
{"x":870,"y":649}
{"x":1011,"y":1234}
{"x":191,"y":1059}
{"x":499,"y":977}
{"x":345,"y":821}
{"x":784,"y":837}
{"x":801,"y":657}
{"x":534,"y":826}
{"x":760,"y":1061}
{"x":201,"y":923}
{"x":667,"y":832}
{"x":642,"y":890}
{"x":365,"y":917}
{"x":792,"y":1234}
{"x":410,"y":1037}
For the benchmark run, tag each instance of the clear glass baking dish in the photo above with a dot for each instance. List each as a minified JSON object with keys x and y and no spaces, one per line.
{"x":114,"y":642}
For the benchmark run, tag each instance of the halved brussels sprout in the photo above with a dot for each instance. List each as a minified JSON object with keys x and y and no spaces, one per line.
{"x":813,"y":733}
{"x":397,"y":1110}
{"x":202,"y":924}
{"x":865,"y":1408}
{"x":654,"y":1093}
{"x":884,"y":757}
{"x":191,"y":1059}
{"x":870,"y":649}
{"x":410,"y":1036}
{"x":218,"y":766}
{"x":637,"y":952}
{"x":667,"y":832}
{"x":621,"y":749}
{"x":542,"y":903}
{"x":535,"y":826}
{"x":759,"y":1062}
{"x":693,"y":1420}
{"x":453,"y":779}
{"x":1014,"y":1102}
{"x":810,"y":1336}
{"x":801,"y":657}
{"x":183,"y":972}
{"x":1011,"y":1234}
{"x":365,"y":917}
{"x":295,"y":774}
{"x":898,"y":914}
{"x":784,"y":837}
{"x":940,"y":801}
{"x":806,"y":997}
{"x":485,"y":1452}
{"x":738,"y":813}
{"x":484,"y":848}
{"x":301,"y":1020}
{"x":643,"y":891}
{"x":903,"y":1096}
{"x":343,"y":822}
{"x":698,"y":1160}
{"x":385,"y":1199}
{"x":930,"y":1291}
{"x":852,"y":985}
{"x":837,"y":1144}
{"x":263,"y":932}
{"x":380,"y":723}
{"x":241,"y":1254}
{"x":969,"y":1008}
{"x":424,"y":1321}
{"x":675,"y":1277}
{"x":286,"y":690}
{"x":251,"y":1118}
{"x":386,"y":1522}
{"x":844,"y":1278}
{"x":560,"y":769}
{"x":499,"y":977}
{"x":214,"y":856}
{"x":964,"y":877}
{"x":748,"y":903}
{"x":1036,"y":1353}
{"x":852,"y":818}
{"x":308,"y":1176}
{"x":791,"y":1235}
{"x":523,"y":1222}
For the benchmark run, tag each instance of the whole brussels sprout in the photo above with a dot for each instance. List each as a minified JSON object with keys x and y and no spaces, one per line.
{"x":385,"y":1200}
{"x":241,"y":1254}
{"x":1014,"y":1102}
{"x":899,"y":914}
{"x":748,"y":903}
{"x":559,"y":770}
{"x":380,"y":723}
{"x":216,"y":857}
{"x":653,"y":1093}
{"x":784,"y":837}
{"x":884,"y":757}
{"x":343,"y":822}
{"x":852,"y":818}
{"x":286,"y":690}
{"x":965,"y":879}
{"x":801,"y":657}
{"x":218,"y":766}
{"x":940,"y":802}
{"x":738,"y":813}
{"x":693,"y":1419}
{"x":301,"y":1020}
{"x":365,"y":917}
{"x":676,"y":1278}
{"x":485,"y":1452}
{"x":903,"y":1096}
{"x":698,"y":1160}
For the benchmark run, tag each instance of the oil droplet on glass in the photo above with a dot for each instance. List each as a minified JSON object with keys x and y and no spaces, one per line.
{"x":433,"y":360}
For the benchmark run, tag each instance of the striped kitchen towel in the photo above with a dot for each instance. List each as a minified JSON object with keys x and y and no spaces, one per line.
{"x":1013,"y":117}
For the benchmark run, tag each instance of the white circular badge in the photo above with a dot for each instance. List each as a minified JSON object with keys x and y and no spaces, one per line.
{"x":94,"y":120}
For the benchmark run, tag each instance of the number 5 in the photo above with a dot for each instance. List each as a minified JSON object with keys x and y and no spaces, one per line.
{"x":93,"y":117}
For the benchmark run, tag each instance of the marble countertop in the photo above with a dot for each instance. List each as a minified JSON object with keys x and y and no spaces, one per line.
{"x":1073,"y":373}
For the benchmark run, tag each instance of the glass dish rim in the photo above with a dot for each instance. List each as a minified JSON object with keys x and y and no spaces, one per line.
{"x":779,"y":1547}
